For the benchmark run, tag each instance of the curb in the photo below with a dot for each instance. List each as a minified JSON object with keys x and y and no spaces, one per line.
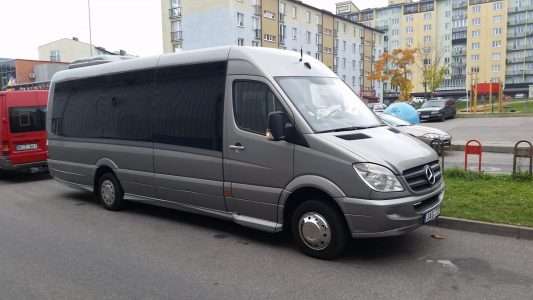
{"x":518,"y":232}
{"x":493,"y":115}
{"x":486,"y":148}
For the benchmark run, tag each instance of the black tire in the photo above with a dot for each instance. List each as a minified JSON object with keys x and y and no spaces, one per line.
{"x":443,"y":118}
{"x":337,"y":225}
{"x":106,"y":183}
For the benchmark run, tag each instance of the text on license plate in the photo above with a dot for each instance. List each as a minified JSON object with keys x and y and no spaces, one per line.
{"x":431,"y":215}
{"x":26,"y":147}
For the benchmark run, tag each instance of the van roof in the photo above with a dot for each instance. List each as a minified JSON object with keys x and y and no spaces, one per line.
{"x":256,"y":61}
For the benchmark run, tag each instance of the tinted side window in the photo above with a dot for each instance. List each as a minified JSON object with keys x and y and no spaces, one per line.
{"x":124,"y":108}
{"x":27,"y":119}
{"x":252,"y":102}
{"x":188,"y":109}
{"x":114,"y":106}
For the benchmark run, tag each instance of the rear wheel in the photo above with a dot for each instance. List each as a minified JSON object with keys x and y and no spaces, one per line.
{"x":319,"y":229}
{"x":110,"y":193}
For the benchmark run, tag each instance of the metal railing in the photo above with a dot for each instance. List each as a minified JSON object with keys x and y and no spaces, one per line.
{"x":176,"y":36}
{"x":175,"y":12}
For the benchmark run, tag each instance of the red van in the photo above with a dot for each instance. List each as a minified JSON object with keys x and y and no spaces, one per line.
{"x":23,"y":130}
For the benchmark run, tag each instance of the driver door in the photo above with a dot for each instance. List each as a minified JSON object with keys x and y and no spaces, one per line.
{"x":256,"y":170}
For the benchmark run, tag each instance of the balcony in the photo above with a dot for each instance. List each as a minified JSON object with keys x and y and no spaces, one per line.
{"x":457,"y":5}
{"x":459,"y":29}
{"x":282,"y":18}
{"x":257,"y":10}
{"x":257,"y":33}
{"x":176,"y":36}
{"x":174,"y":12}
{"x":515,"y":21}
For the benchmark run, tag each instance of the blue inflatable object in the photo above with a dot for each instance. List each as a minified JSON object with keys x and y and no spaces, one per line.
{"x":403,"y":111}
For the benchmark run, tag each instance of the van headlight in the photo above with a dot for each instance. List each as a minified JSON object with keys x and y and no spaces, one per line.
{"x":378,"y":178}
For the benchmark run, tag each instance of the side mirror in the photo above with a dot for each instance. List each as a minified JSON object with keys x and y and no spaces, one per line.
{"x":277,"y":121}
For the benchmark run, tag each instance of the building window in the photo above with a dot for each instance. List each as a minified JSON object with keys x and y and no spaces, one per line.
{"x":496,"y":19}
{"x":475,"y":33}
{"x":353,"y":81}
{"x":294,"y":12}
{"x":255,"y":43}
{"x":496,"y":56}
{"x":294,"y":34}
{"x":427,"y":16}
{"x":427,"y":39}
{"x":475,"y":57}
{"x":269,"y":37}
{"x":55,"y":55}
{"x":495,"y":68}
{"x":354,"y":48}
{"x":308,"y":17}
{"x":240,"y":42}
{"x":344,"y":63}
{"x":343,"y":45}
{"x":317,"y":55}
{"x":427,"y":27}
{"x":497,"y":31}
{"x":240,"y":19}
{"x":409,"y":42}
{"x":344,"y":27}
{"x":308,"y":37}
{"x":354,"y":65}
{"x":409,"y":19}
{"x":476,"y":8}
{"x":476,"y":21}
{"x":497,"y":5}
{"x":475,"y":45}
{"x":496,"y":44}
{"x":409,"y":29}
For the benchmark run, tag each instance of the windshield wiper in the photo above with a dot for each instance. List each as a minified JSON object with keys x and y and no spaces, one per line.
{"x":351,"y":128}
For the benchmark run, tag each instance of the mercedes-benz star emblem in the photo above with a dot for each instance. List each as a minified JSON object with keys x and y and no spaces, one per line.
{"x":430,"y":176}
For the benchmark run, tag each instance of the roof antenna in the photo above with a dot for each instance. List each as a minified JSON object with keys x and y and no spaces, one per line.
{"x":301,"y":54}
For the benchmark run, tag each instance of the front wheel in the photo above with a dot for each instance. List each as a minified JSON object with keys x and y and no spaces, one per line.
{"x":319,"y":229}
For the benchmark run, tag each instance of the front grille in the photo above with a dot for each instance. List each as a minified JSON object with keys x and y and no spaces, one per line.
{"x":417,"y":179}
{"x":423,"y":205}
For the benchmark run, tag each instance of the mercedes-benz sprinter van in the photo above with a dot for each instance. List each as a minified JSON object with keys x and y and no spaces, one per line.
{"x":263,"y":137}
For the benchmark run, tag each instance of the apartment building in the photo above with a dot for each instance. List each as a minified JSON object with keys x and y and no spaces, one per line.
{"x":347,"y":47}
{"x":479,"y":40}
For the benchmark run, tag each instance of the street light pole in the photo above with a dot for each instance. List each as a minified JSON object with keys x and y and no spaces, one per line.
{"x":90,"y":28}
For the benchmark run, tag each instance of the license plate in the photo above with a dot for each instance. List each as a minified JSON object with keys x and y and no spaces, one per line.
{"x":26,"y":147}
{"x":431,"y":215}
{"x":424,"y":116}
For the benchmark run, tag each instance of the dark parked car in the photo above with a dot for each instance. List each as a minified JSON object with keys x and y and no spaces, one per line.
{"x":437,"y":109}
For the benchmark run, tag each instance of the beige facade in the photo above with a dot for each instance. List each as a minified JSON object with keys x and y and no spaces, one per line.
{"x":270,"y":23}
{"x":69,"y":50}
{"x":487,"y":42}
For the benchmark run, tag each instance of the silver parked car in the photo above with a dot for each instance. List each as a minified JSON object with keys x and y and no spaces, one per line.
{"x":434,"y":137}
{"x":261,"y":137}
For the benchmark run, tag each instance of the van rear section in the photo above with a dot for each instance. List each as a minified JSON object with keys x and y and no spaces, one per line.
{"x":23,"y":130}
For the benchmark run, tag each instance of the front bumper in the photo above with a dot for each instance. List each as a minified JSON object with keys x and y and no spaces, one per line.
{"x":380,"y":218}
{"x":427,"y":117}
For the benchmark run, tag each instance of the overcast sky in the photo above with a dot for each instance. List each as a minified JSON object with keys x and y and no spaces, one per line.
{"x":132,"y":25}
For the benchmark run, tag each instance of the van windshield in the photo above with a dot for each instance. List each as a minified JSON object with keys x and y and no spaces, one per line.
{"x":328,"y":104}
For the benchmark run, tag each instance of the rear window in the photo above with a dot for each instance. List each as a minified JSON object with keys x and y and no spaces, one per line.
{"x":27,"y":119}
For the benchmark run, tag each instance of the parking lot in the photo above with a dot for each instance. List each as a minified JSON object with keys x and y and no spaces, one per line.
{"x":493,"y":131}
{"x":57,"y":243}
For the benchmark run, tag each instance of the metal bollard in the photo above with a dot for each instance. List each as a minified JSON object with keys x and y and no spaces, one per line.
{"x":524,"y":153}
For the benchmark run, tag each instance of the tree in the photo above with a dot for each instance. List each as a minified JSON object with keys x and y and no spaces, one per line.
{"x":433,"y":71}
{"x":394,"y":67}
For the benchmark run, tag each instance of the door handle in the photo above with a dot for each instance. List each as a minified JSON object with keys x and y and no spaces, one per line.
{"x":237,"y":147}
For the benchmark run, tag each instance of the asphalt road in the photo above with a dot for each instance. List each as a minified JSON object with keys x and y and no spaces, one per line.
{"x":493,"y":131}
{"x":57,"y":243}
